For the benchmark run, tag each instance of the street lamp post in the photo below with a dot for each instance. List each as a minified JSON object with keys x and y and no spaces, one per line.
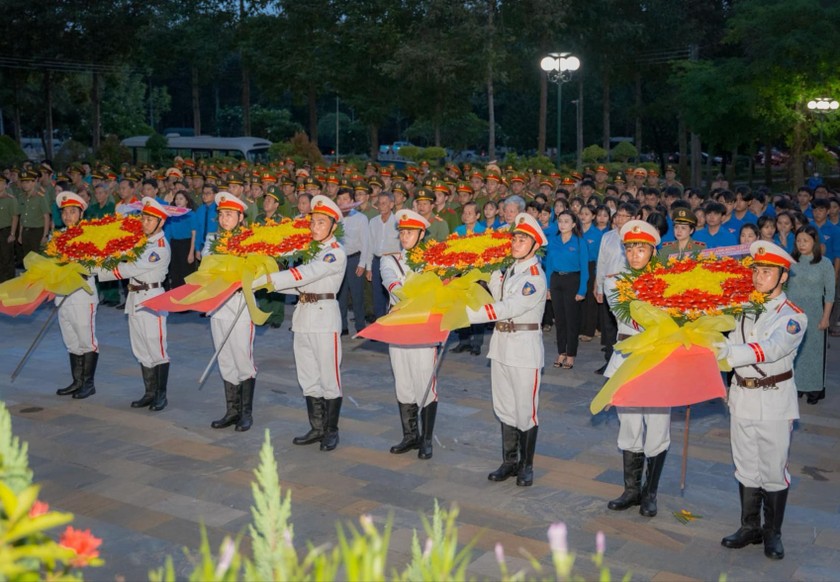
{"x":559,"y":68}
{"x":822,"y":106}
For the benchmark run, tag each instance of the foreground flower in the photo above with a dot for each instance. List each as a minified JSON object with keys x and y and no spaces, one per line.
{"x":82,"y":542}
{"x":274,"y":239}
{"x":102,"y":242}
{"x":456,"y":255}
{"x":557,"y":538}
{"x":38,"y":508}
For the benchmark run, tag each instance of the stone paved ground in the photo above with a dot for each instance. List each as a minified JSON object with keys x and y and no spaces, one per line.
{"x":144,"y":481}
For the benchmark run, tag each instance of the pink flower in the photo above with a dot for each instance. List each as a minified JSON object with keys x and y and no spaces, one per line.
{"x":38,"y":508}
{"x":83,"y":543}
{"x":500,"y":553}
{"x":557,"y":538}
{"x":600,"y":543}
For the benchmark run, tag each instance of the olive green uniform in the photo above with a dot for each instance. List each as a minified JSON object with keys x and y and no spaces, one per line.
{"x":8,"y":212}
{"x":35,"y":210}
{"x":673,"y":248}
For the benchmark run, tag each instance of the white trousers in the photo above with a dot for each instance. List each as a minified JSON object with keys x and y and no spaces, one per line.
{"x":644,"y":430}
{"x":78,"y":328}
{"x":516,"y":394}
{"x":147,"y":332}
{"x":318,"y":363}
{"x":236,"y":360}
{"x":760,"y":450}
{"x":413,"y":367}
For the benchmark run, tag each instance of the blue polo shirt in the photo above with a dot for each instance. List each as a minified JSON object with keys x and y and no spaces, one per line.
{"x":568,"y":257}
{"x":735,"y":223}
{"x":478,"y":228}
{"x":206,"y":218}
{"x":831,"y":238}
{"x":592,"y":237}
{"x":181,"y":227}
{"x":723,"y":238}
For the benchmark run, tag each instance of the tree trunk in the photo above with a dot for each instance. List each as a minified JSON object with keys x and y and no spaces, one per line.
{"x":16,"y":112}
{"x":96,"y":103}
{"x":543,"y":115}
{"x":768,"y":167}
{"x":196,"y":102}
{"x":48,"y":106}
{"x":682,"y":140}
{"x":696,"y":162}
{"x":605,"y":112}
{"x":491,"y":107}
{"x":579,"y":125}
{"x":312,"y":103}
{"x":246,"y":100}
{"x":373,"y":130}
{"x":638,"y":138}
{"x":733,"y":173}
{"x":796,"y":150}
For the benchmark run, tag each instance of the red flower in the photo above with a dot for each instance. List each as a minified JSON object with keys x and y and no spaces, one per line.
{"x":82,"y":542}
{"x":38,"y":508}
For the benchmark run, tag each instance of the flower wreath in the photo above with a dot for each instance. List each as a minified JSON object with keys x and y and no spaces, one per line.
{"x":457,"y":255}
{"x":101,"y":242}
{"x":287,"y":240}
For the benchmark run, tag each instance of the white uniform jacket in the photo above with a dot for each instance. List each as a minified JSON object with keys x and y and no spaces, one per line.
{"x":766,"y":347}
{"x":322,"y":274}
{"x":150,"y":268}
{"x":519,"y":297}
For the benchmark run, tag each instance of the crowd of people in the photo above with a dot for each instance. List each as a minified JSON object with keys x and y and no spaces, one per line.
{"x":571,"y":235}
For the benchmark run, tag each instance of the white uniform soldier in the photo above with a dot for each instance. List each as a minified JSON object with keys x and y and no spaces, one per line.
{"x":316,"y":324}
{"x":236,"y":358}
{"x":645,"y":433}
{"x":517,"y":353}
{"x":77,"y":315}
{"x":146,"y":328}
{"x":763,"y":402}
{"x":413,"y":366}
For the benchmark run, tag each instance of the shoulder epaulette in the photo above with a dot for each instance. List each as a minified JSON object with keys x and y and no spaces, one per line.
{"x":161,"y":242}
{"x":335,"y":245}
{"x":793,"y":306}
{"x":535,"y":270}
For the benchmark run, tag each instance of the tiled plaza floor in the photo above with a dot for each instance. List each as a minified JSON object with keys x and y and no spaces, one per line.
{"x":145,"y":481}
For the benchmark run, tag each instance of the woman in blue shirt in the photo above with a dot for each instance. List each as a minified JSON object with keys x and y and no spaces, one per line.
{"x":592,"y":237}
{"x":180,"y":232}
{"x":567,"y":270}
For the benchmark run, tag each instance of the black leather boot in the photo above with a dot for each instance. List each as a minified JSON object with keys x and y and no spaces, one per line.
{"x":89,"y":361}
{"x":774,"y":515}
{"x":510,"y":455}
{"x":315,"y":409}
{"x":527,"y":446}
{"x":149,"y":382}
{"x":161,"y":379}
{"x":427,"y":418}
{"x":232,"y":402}
{"x":750,"y":530}
{"x":634,"y":464}
{"x":332,"y":411}
{"x":246,"y":393}
{"x":653,"y":473}
{"x":77,"y":370}
{"x":411,"y":436}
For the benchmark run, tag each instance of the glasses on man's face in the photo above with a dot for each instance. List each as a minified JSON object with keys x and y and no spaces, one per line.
{"x":622,"y":215}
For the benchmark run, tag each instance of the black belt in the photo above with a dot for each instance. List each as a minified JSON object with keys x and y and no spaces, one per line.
{"x":144,"y":286}
{"x":356,"y":254}
{"x":752,"y":383}
{"x":561,"y":273}
{"x":509,"y":326}
{"x":314,"y":297}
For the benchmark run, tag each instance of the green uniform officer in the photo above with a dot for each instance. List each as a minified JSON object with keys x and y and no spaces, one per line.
{"x":9,"y":217}
{"x":684,"y":224}
{"x":424,"y":200}
{"x":273,"y":303}
{"x":34,"y":216}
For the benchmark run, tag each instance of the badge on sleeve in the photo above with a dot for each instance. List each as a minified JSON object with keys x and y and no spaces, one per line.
{"x":329,"y":258}
{"x":528,"y":289}
{"x":793,"y":327}
{"x":154,"y":258}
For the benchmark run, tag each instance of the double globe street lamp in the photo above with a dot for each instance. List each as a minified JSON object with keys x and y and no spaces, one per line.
{"x":559,"y":68}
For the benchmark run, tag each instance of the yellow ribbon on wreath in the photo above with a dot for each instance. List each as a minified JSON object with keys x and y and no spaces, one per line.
{"x":43,"y":274}
{"x":218,"y":272}
{"x":424,"y":294}
{"x":661,"y":336}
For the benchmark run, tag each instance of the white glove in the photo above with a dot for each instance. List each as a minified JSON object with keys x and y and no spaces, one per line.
{"x":260,"y":281}
{"x":722,"y":349}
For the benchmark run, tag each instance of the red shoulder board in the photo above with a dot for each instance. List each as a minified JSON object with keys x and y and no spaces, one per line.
{"x":161,"y":242}
{"x":793,"y":306}
{"x":335,"y":245}
{"x":535,"y":270}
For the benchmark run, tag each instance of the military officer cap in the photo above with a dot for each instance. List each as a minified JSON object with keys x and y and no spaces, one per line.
{"x":361,"y":186}
{"x":639,"y":231}
{"x":770,"y":255}
{"x":174,"y":172}
{"x":154,"y":208}
{"x":619,"y":178}
{"x":601,"y":170}
{"x":653,"y":172}
{"x":70,"y":199}
{"x":670,"y":168}
{"x":268,"y":177}
{"x":465,"y":187}
{"x":333,"y":179}
{"x":375,"y":181}
{"x":494,"y":176}
{"x":28,"y":176}
{"x":685,"y":216}
{"x":424,"y":194}
{"x":640,"y":172}
{"x":323,"y":205}
{"x":517,"y":178}
{"x":527,"y":224}
{"x":227,"y":201}
{"x":235,"y":178}
{"x":399,"y":187}
{"x":410,"y":220}
{"x":310,"y":182}
{"x":275,"y":192}
{"x":547,"y":182}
